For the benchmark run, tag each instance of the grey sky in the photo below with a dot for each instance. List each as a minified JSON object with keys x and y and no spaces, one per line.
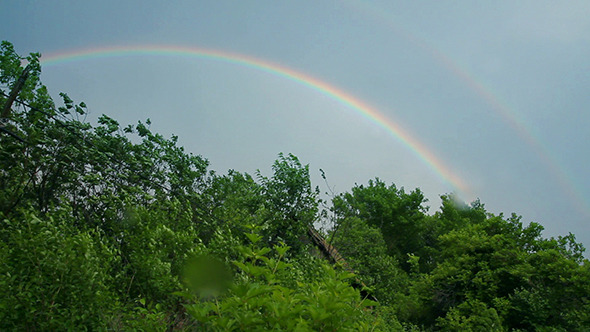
{"x":497,"y":90}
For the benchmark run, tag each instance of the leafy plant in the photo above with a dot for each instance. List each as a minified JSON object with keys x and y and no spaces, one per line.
{"x":260,"y":298}
{"x":52,"y":276}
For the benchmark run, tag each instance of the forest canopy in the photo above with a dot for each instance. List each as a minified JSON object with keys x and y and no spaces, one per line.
{"x":105,"y":226}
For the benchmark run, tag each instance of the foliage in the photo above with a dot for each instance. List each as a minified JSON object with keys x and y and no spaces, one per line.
{"x":466,"y":268}
{"x":152,"y":244}
{"x":263,"y":300}
{"x":291,"y":204}
{"x":53,"y":277}
{"x":471,"y":316}
{"x":397,"y":214}
{"x":365,"y":251}
{"x":507,"y":270}
{"x":93,"y":222}
{"x":104,"y":226}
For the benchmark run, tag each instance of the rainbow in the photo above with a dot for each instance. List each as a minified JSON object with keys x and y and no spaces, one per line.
{"x":362,"y":108}
{"x":509,"y":116}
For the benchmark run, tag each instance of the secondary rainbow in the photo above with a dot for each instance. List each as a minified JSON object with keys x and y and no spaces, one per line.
{"x":362,"y":108}
{"x":506,"y":113}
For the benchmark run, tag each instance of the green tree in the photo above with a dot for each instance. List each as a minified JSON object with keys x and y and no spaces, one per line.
{"x":131,"y":209}
{"x":400,"y":216}
{"x":231,"y":201}
{"x":291,"y":203}
{"x":364,"y":249}
{"x":473,"y":316}
{"x":96,"y":223}
{"x":529,"y":282}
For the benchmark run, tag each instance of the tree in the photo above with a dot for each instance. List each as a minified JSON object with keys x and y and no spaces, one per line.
{"x":398,"y":215}
{"x":291,"y":204}
{"x":97,"y":222}
{"x":508,"y":270}
{"x":73,"y":256}
{"x":364,"y":249}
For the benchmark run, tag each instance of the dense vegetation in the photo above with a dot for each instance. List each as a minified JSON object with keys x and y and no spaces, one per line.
{"x":109,"y":227}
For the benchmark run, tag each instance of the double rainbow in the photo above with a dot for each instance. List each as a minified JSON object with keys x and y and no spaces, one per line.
{"x":567,"y":181}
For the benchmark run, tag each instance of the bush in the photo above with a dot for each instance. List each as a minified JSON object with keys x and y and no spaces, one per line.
{"x":261,"y":300}
{"x":51,"y":276}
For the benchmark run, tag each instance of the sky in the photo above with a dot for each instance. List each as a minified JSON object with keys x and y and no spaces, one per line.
{"x":484,"y":99}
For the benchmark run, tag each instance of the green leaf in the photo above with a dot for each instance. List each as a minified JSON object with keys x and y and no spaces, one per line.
{"x":254,"y":238}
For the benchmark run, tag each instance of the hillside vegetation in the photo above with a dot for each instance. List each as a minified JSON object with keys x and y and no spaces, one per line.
{"x":110,"y":227}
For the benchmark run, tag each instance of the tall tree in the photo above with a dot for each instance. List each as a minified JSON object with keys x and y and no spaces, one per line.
{"x":292,"y":204}
{"x":400,"y":216}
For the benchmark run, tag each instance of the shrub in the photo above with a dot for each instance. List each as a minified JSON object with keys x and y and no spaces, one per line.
{"x":52,"y":277}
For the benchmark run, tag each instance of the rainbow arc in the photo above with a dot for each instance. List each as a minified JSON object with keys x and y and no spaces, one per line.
{"x":360,"y":107}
